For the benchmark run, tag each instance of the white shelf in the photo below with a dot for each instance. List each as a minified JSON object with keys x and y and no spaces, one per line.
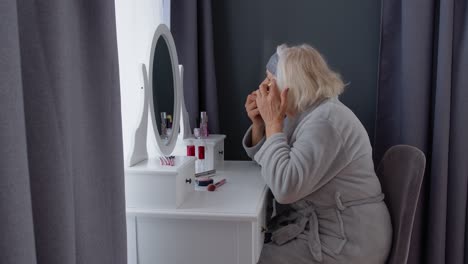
{"x":240,"y":198}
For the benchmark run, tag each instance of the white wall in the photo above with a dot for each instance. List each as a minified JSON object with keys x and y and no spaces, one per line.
{"x":136,"y":22}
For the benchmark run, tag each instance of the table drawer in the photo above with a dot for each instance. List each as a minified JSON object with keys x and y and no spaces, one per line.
{"x":152,"y":186}
{"x":194,"y":241}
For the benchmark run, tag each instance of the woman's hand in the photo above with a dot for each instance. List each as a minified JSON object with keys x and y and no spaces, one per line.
{"x":252,"y":110}
{"x":258,"y":126}
{"x":272,"y":106}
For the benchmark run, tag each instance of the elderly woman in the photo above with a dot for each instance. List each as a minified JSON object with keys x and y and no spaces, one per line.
{"x":318,"y":164}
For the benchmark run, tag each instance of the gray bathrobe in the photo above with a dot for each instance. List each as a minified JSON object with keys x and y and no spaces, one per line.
{"x":321,"y":167}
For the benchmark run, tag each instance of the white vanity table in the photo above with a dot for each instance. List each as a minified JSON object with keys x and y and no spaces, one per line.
{"x":224,"y":226}
{"x":168,"y":221}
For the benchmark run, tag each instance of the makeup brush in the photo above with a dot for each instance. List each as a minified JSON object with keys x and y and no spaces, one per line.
{"x":212,"y":187}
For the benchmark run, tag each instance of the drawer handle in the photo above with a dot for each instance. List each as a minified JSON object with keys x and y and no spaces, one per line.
{"x":221,"y":152}
{"x":188,"y":181}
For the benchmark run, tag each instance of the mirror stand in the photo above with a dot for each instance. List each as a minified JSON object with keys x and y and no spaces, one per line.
{"x":138,"y":150}
{"x":185,"y":129}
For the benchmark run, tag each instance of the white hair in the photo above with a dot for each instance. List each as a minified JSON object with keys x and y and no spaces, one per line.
{"x":305,"y":72}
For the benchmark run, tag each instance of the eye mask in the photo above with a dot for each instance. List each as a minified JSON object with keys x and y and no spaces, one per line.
{"x":272,"y":64}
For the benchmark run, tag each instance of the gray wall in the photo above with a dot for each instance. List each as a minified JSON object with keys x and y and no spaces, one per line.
{"x":247,"y":32}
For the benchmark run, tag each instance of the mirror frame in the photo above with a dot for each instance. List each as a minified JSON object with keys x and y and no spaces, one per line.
{"x":162,"y":31}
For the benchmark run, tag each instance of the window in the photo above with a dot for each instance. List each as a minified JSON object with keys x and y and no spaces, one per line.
{"x":135,"y":22}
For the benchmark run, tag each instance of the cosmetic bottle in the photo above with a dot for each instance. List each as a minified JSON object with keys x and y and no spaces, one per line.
{"x":200,"y":163}
{"x":204,"y":124}
{"x":163,"y":125}
{"x":169,"y":126}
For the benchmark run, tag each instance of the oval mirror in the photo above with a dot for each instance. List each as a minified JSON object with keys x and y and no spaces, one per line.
{"x":164,"y":82}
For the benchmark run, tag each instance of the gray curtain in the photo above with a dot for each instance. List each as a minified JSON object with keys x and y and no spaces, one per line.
{"x":61,"y":169}
{"x":422,"y":101}
{"x":192,"y":28}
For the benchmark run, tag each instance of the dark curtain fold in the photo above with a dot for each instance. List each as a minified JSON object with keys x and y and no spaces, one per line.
{"x":192,"y":29}
{"x":62,"y":184}
{"x":422,"y":101}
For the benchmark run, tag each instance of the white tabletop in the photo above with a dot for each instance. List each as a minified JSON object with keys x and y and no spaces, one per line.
{"x":241,"y":198}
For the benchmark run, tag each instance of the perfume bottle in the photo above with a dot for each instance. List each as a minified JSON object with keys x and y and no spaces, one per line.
{"x":163,"y":125}
{"x":204,"y":124}
{"x":200,"y":163}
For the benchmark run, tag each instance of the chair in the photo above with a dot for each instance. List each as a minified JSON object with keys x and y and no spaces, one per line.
{"x":401,"y":174}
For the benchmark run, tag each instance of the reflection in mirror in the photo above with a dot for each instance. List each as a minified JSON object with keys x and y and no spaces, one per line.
{"x":163,"y":89}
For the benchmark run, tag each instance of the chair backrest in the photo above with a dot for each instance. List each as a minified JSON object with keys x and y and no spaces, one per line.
{"x":401,"y":173}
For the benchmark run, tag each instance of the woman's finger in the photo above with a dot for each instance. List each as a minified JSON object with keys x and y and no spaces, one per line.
{"x":255,"y":112}
{"x":259,"y":101}
{"x":258,"y":94}
{"x":274,"y":90}
{"x":250,"y":98}
{"x":251,"y":105}
{"x":263,"y":90}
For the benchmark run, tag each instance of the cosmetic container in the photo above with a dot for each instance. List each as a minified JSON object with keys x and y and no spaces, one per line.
{"x":200,"y":163}
{"x":191,"y":150}
{"x":204,"y":124}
